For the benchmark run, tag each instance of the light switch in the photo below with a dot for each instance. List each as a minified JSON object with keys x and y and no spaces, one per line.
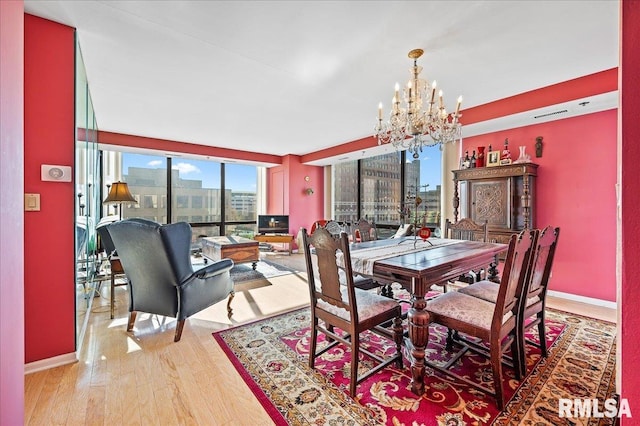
{"x":32,"y":202}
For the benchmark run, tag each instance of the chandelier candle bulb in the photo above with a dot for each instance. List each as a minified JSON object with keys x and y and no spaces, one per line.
{"x":433,"y":91}
{"x":380,"y":111}
{"x":458,"y":105}
{"x":441,"y":101}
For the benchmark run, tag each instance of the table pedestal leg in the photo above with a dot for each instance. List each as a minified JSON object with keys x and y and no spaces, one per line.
{"x":418,"y":319}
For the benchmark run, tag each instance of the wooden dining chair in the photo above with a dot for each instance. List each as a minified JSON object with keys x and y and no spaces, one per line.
{"x":333,"y":227}
{"x":363,"y":231}
{"x":494,"y":323}
{"x":347,"y":308}
{"x":317,"y":224}
{"x":467,"y":229}
{"x":535,"y":292}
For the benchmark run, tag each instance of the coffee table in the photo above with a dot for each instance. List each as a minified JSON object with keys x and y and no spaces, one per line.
{"x":238,"y":249}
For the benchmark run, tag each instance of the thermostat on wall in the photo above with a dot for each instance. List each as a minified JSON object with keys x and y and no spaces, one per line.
{"x":53,"y":173}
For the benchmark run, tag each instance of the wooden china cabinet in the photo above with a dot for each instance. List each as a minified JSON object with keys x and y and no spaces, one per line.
{"x":504,"y":196}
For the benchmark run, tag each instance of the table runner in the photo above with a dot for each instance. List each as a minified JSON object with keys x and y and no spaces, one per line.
{"x":363,"y":259}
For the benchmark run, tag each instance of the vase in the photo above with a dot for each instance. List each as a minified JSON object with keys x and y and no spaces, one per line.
{"x":480,"y":159}
{"x":524,"y":157}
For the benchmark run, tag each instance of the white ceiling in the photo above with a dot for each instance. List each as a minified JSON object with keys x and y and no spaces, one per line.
{"x":287,"y":77}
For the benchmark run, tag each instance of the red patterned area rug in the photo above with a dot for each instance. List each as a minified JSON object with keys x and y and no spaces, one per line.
{"x":272,"y":357}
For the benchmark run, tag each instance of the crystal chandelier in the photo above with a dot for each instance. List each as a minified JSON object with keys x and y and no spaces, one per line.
{"x":419,"y":121}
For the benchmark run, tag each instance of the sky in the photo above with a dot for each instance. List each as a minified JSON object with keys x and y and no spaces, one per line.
{"x":238,"y":177}
{"x":430,"y":167}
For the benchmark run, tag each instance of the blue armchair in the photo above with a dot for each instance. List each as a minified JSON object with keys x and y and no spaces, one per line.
{"x":156,"y":259}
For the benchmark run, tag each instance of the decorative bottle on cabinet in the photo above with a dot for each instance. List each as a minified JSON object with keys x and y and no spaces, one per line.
{"x":466,"y":163}
{"x":480,"y":159}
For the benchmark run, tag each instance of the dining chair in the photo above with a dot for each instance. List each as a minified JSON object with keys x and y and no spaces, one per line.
{"x":333,"y":227}
{"x":494,"y":323}
{"x":364,"y":231}
{"x":467,"y":229}
{"x":535,"y":292}
{"x":360,"y":281}
{"x":340,"y":305}
{"x":317,"y":224}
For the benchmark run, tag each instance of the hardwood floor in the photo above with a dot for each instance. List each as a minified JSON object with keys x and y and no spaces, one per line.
{"x":145,"y":378}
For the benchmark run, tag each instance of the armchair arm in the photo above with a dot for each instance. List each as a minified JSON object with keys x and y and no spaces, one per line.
{"x":216,"y":268}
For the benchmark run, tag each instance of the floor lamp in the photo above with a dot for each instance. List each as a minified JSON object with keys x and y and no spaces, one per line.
{"x":118,"y":194}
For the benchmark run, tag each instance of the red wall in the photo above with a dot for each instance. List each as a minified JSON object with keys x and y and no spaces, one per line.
{"x":575,"y":191}
{"x":12,"y":216}
{"x":629,"y":129}
{"x":286,"y":192}
{"x":49,"y":139}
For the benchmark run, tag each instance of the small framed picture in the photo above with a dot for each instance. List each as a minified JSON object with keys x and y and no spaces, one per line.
{"x":493,"y":159}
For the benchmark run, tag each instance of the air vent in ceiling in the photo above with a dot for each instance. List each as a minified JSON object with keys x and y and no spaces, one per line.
{"x":551,"y":113}
{"x":343,"y":158}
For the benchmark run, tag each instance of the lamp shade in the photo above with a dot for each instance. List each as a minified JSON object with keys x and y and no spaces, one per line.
{"x":119,"y":193}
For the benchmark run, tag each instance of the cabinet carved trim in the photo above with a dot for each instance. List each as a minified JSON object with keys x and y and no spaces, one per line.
{"x":504,"y":196}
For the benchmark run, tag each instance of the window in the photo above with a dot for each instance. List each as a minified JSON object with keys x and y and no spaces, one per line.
{"x":182,"y":201}
{"x":196,"y":202}
{"x":241,"y":199}
{"x":380,"y":189}
{"x":146,"y":177}
{"x":345,"y":192}
{"x":382,"y":194}
{"x":149,"y":201}
{"x":196,"y":188}
{"x":192,"y":180}
{"x":427,"y":170}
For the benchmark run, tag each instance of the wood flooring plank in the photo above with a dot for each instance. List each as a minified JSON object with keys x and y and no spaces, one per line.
{"x":181,"y":404}
{"x":164,"y":405}
{"x":95,"y":406}
{"x":33,"y":384}
{"x":113,"y":393}
{"x":129,"y":405}
{"x":79,"y":402}
{"x":61,"y":403}
{"x":195,"y":397}
{"x":42,"y":411}
{"x":149,"y":413}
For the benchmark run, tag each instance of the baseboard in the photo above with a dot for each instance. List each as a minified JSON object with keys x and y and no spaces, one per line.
{"x":583,"y":299}
{"x":55,"y":361}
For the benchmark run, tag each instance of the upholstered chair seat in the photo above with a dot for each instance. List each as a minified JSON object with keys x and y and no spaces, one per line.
{"x":488,"y":290}
{"x":469,"y":309}
{"x":369,"y":304}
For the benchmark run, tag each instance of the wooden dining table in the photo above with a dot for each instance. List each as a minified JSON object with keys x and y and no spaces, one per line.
{"x":417,"y":265}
